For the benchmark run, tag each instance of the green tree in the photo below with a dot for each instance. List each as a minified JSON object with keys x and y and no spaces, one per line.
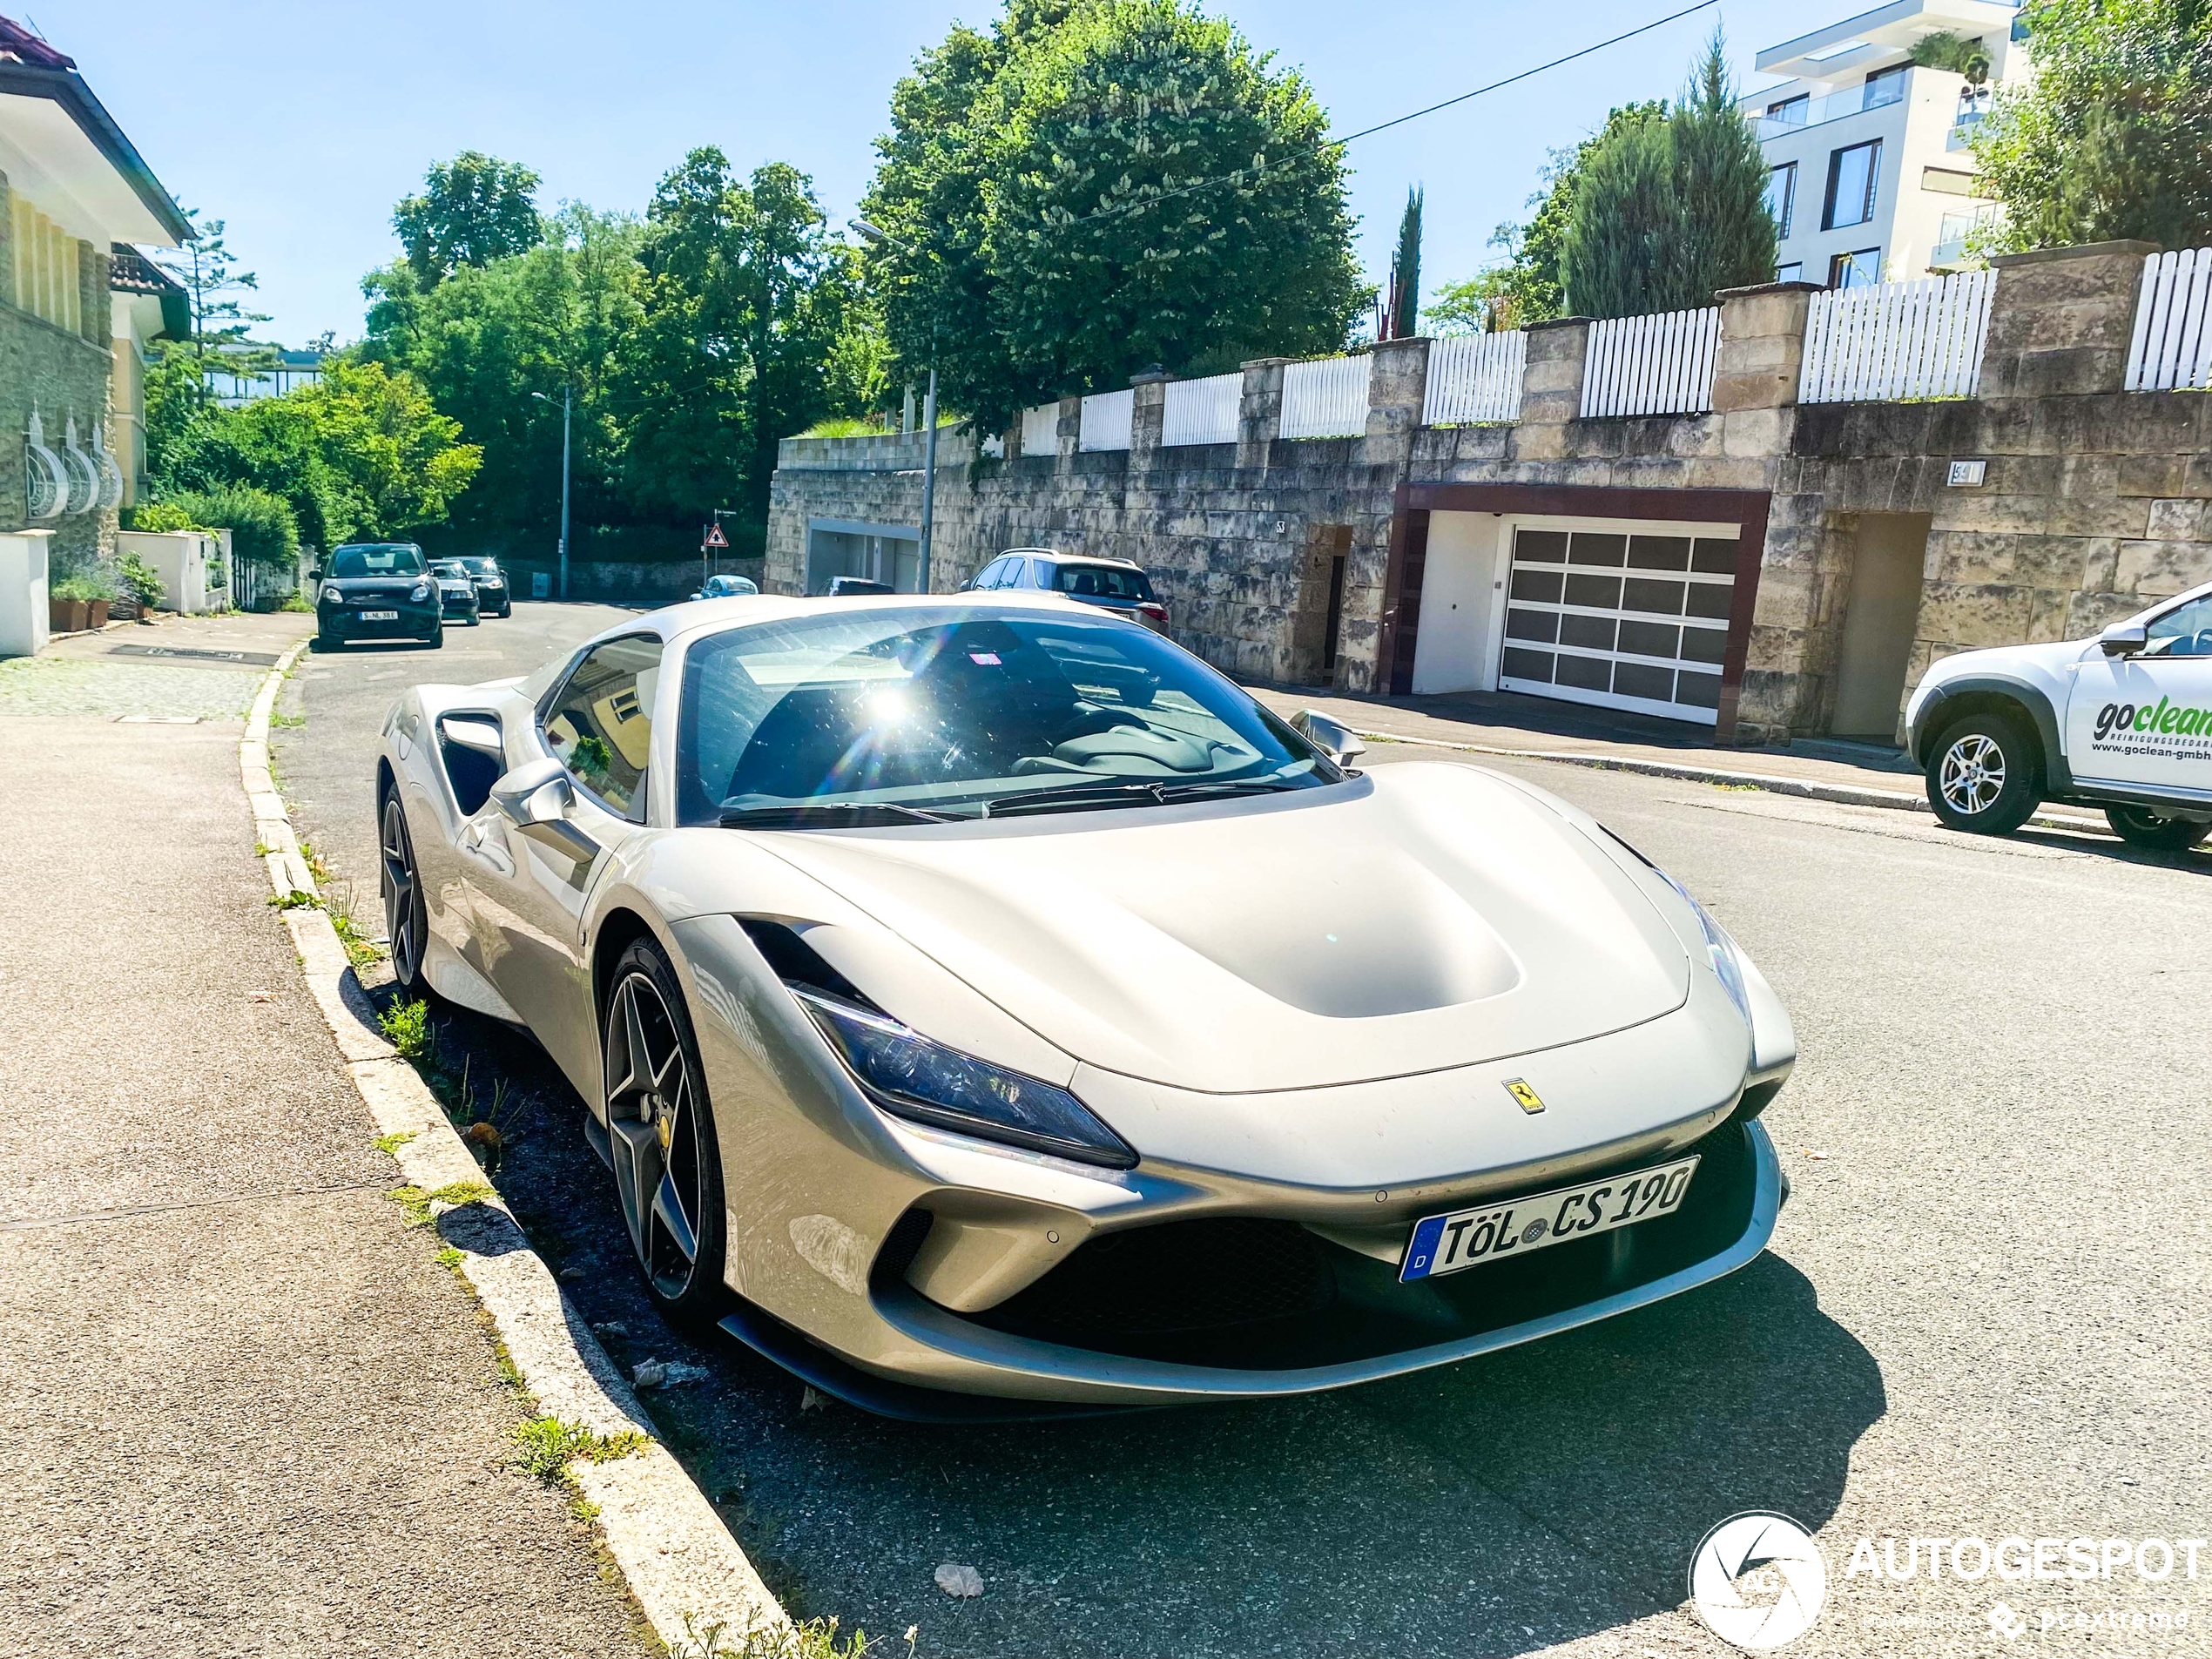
{"x":264,"y":530}
{"x":473,"y":210}
{"x":1402,"y":293}
{"x":1669,"y":207}
{"x":2112,"y":138}
{"x":1098,"y":187}
{"x":207,"y":270}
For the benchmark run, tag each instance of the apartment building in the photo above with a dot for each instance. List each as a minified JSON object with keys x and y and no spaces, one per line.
{"x":1870,"y":178}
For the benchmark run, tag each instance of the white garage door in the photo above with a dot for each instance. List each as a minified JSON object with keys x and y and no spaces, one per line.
{"x":1623,"y":618}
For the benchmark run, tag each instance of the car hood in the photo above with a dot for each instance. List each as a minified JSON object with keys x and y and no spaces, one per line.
{"x":1422,"y":917}
{"x":372,"y":587}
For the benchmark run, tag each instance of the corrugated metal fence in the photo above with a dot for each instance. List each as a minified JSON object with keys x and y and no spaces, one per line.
{"x":1202,"y":411}
{"x":1107,"y":418}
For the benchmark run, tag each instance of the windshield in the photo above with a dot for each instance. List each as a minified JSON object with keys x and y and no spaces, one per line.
{"x":906,"y":707}
{"x":449,"y":567}
{"x":481,"y":567}
{"x":390,"y":558}
{"x":1101,"y":581}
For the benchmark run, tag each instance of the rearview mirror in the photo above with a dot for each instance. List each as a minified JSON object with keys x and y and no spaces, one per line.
{"x":2124,"y":638}
{"x":1334,"y":738}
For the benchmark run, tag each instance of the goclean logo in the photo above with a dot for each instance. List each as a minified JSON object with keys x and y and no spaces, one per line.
{"x":2182,"y":720}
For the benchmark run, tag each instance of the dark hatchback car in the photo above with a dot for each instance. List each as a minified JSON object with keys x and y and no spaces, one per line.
{"x":494,"y":596}
{"x":1111,"y":584}
{"x":456,"y":591}
{"x":378,"y":590}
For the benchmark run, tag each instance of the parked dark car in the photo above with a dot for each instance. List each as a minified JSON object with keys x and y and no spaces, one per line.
{"x":840,"y":586}
{"x":1111,"y":584}
{"x":457,"y":590}
{"x":494,"y":596}
{"x":727,"y":587}
{"x":378,"y":590}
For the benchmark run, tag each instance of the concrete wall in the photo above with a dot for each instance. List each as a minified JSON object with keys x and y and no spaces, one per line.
{"x":658,"y":582}
{"x":2094,"y":499}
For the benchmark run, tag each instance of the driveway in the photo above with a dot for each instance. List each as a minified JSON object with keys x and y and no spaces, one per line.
{"x":1984,"y":1314}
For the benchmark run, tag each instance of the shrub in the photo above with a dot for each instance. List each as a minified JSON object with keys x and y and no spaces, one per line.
{"x":160,"y":517}
{"x":143,"y":585}
{"x":263,"y":528}
{"x":95,"y":583}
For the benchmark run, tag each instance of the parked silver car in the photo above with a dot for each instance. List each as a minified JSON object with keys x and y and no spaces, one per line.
{"x":982,"y":997}
{"x":1111,"y":584}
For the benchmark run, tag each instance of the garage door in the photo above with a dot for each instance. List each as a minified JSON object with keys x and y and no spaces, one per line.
{"x":1626,"y":619}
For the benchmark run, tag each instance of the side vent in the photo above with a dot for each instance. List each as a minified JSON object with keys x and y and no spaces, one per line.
{"x":795,"y":961}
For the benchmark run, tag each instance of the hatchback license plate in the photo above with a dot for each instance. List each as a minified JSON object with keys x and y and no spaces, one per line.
{"x":380,"y":616}
{"x":1466,"y":1238}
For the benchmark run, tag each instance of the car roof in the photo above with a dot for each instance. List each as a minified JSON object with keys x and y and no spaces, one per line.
{"x":1059,"y":557}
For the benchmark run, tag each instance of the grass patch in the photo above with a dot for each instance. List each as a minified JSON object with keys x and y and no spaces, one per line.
{"x":457,"y":1194}
{"x":407,"y":1028}
{"x":282,"y":720}
{"x":811,"y":1639}
{"x":546,"y":1447}
{"x":295,"y":899}
{"x":392,"y":1143}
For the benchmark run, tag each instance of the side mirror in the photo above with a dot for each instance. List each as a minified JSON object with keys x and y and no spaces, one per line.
{"x":480,"y":737}
{"x":1334,"y":738}
{"x":2124,"y":639}
{"x":536,"y":793}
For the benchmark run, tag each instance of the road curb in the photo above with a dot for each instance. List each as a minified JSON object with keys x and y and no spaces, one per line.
{"x":1839,"y":794}
{"x":687,"y":1573}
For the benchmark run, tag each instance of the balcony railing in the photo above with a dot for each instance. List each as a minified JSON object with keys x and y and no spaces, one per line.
{"x":1796,"y":114}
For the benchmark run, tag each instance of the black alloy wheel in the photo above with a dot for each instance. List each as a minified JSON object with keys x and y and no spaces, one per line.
{"x":660,"y":1133}
{"x":406,"y":917}
{"x":2154,"y":832}
{"x":1985,"y":775}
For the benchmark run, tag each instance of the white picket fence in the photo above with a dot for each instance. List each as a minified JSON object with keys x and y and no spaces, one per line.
{"x":1041,"y":430}
{"x":2171,"y":348}
{"x":1474,"y":377}
{"x":1656,"y":365}
{"x":1108,"y":417}
{"x":1326,"y":398}
{"x":1897,"y":340}
{"x":1202,"y":411}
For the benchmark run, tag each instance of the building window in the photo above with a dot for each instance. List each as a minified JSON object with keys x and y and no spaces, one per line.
{"x":1884,"y":86}
{"x":1790,"y":111}
{"x":1854,"y":174}
{"x":1782,"y":196}
{"x":1793,"y":272}
{"x":1859,"y":270}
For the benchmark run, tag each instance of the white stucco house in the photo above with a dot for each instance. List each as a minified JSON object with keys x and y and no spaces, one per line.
{"x":1870,"y":178}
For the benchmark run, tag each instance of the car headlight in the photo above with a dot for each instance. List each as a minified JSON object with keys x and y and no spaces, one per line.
{"x":332,"y":595}
{"x":421,"y":592}
{"x":912,"y":1078}
{"x":1720,"y":948}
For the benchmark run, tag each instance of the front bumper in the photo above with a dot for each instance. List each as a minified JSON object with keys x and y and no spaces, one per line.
{"x":894,"y":1265}
{"x":412,"y":621}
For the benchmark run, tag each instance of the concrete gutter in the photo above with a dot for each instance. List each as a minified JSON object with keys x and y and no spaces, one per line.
{"x":688,"y":1574}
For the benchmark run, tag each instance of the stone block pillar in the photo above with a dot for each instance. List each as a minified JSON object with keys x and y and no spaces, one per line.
{"x":1755,"y":377}
{"x":2060,"y":320}
{"x":1397,"y":387}
{"x":94,"y":321}
{"x":1259,"y":413}
{"x":1551,"y":388}
{"x":1070,"y":432}
{"x":1148,"y":417}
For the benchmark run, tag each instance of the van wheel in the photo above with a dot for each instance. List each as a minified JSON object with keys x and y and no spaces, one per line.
{"x":1985,"y":775}
{"x":2154,"y":832}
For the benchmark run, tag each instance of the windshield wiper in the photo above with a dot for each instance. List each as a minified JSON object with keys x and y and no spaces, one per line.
{"x":1160,"y":791}
{"x":830,"y":814}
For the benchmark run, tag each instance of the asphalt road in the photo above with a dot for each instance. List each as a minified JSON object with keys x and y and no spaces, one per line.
{"x":1985,"y":1313}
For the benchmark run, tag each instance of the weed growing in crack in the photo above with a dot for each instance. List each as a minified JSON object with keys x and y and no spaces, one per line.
{"x":361,"y":950}
{"x":456,"y":1195}
{"x":813,"y":1639}
{"x":390,"y":1143}
{"x":406,"y":1026}
{"x":295,"y":899}
{"x":547,"y":1446}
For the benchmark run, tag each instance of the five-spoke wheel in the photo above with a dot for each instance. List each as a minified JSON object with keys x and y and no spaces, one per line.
{"x":1984,"y":775}
{"x":660,"y":1133}
{"x":406,"y":921}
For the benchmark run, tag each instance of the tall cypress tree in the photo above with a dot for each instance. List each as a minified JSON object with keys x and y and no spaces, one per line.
{"x":1613,"y":255}
{"x":1404,"y":298}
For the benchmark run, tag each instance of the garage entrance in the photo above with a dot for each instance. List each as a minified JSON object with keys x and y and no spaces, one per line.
{"x":1620,"y":615}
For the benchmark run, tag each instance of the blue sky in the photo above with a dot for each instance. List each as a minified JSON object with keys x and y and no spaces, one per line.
{"x":302,"y":123}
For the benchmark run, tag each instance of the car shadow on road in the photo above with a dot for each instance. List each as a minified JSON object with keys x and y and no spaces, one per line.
{"x":1493,"y":1507}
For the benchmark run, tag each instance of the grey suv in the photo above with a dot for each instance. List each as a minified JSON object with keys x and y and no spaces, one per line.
{"x":1111,"y":584}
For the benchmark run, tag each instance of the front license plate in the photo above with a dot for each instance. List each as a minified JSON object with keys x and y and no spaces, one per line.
{"x":1469,"y":1238}
{"x":380,"y":616}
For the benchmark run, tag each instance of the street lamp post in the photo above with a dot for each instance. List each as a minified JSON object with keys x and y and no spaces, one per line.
{"x":568,"y":397}
{"x":884,"y":239}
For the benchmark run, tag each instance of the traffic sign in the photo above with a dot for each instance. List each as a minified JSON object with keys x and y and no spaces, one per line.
{"x":714,"y":536}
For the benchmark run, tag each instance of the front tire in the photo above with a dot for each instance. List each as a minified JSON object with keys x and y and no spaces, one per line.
{"x":2154,"y":832}
{"x":407,"y":917}
{"x":660,"y":1129}
{"x":1985,"y":775}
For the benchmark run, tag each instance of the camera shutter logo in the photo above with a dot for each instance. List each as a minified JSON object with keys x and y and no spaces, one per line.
{"x":1787,"y":1581}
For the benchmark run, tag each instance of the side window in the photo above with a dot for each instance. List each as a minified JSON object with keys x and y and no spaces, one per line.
{"x":1017,"y":574}
{"x":988,"y":577}
{"x":600,"y":723}
{"x":2185,"y":631}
